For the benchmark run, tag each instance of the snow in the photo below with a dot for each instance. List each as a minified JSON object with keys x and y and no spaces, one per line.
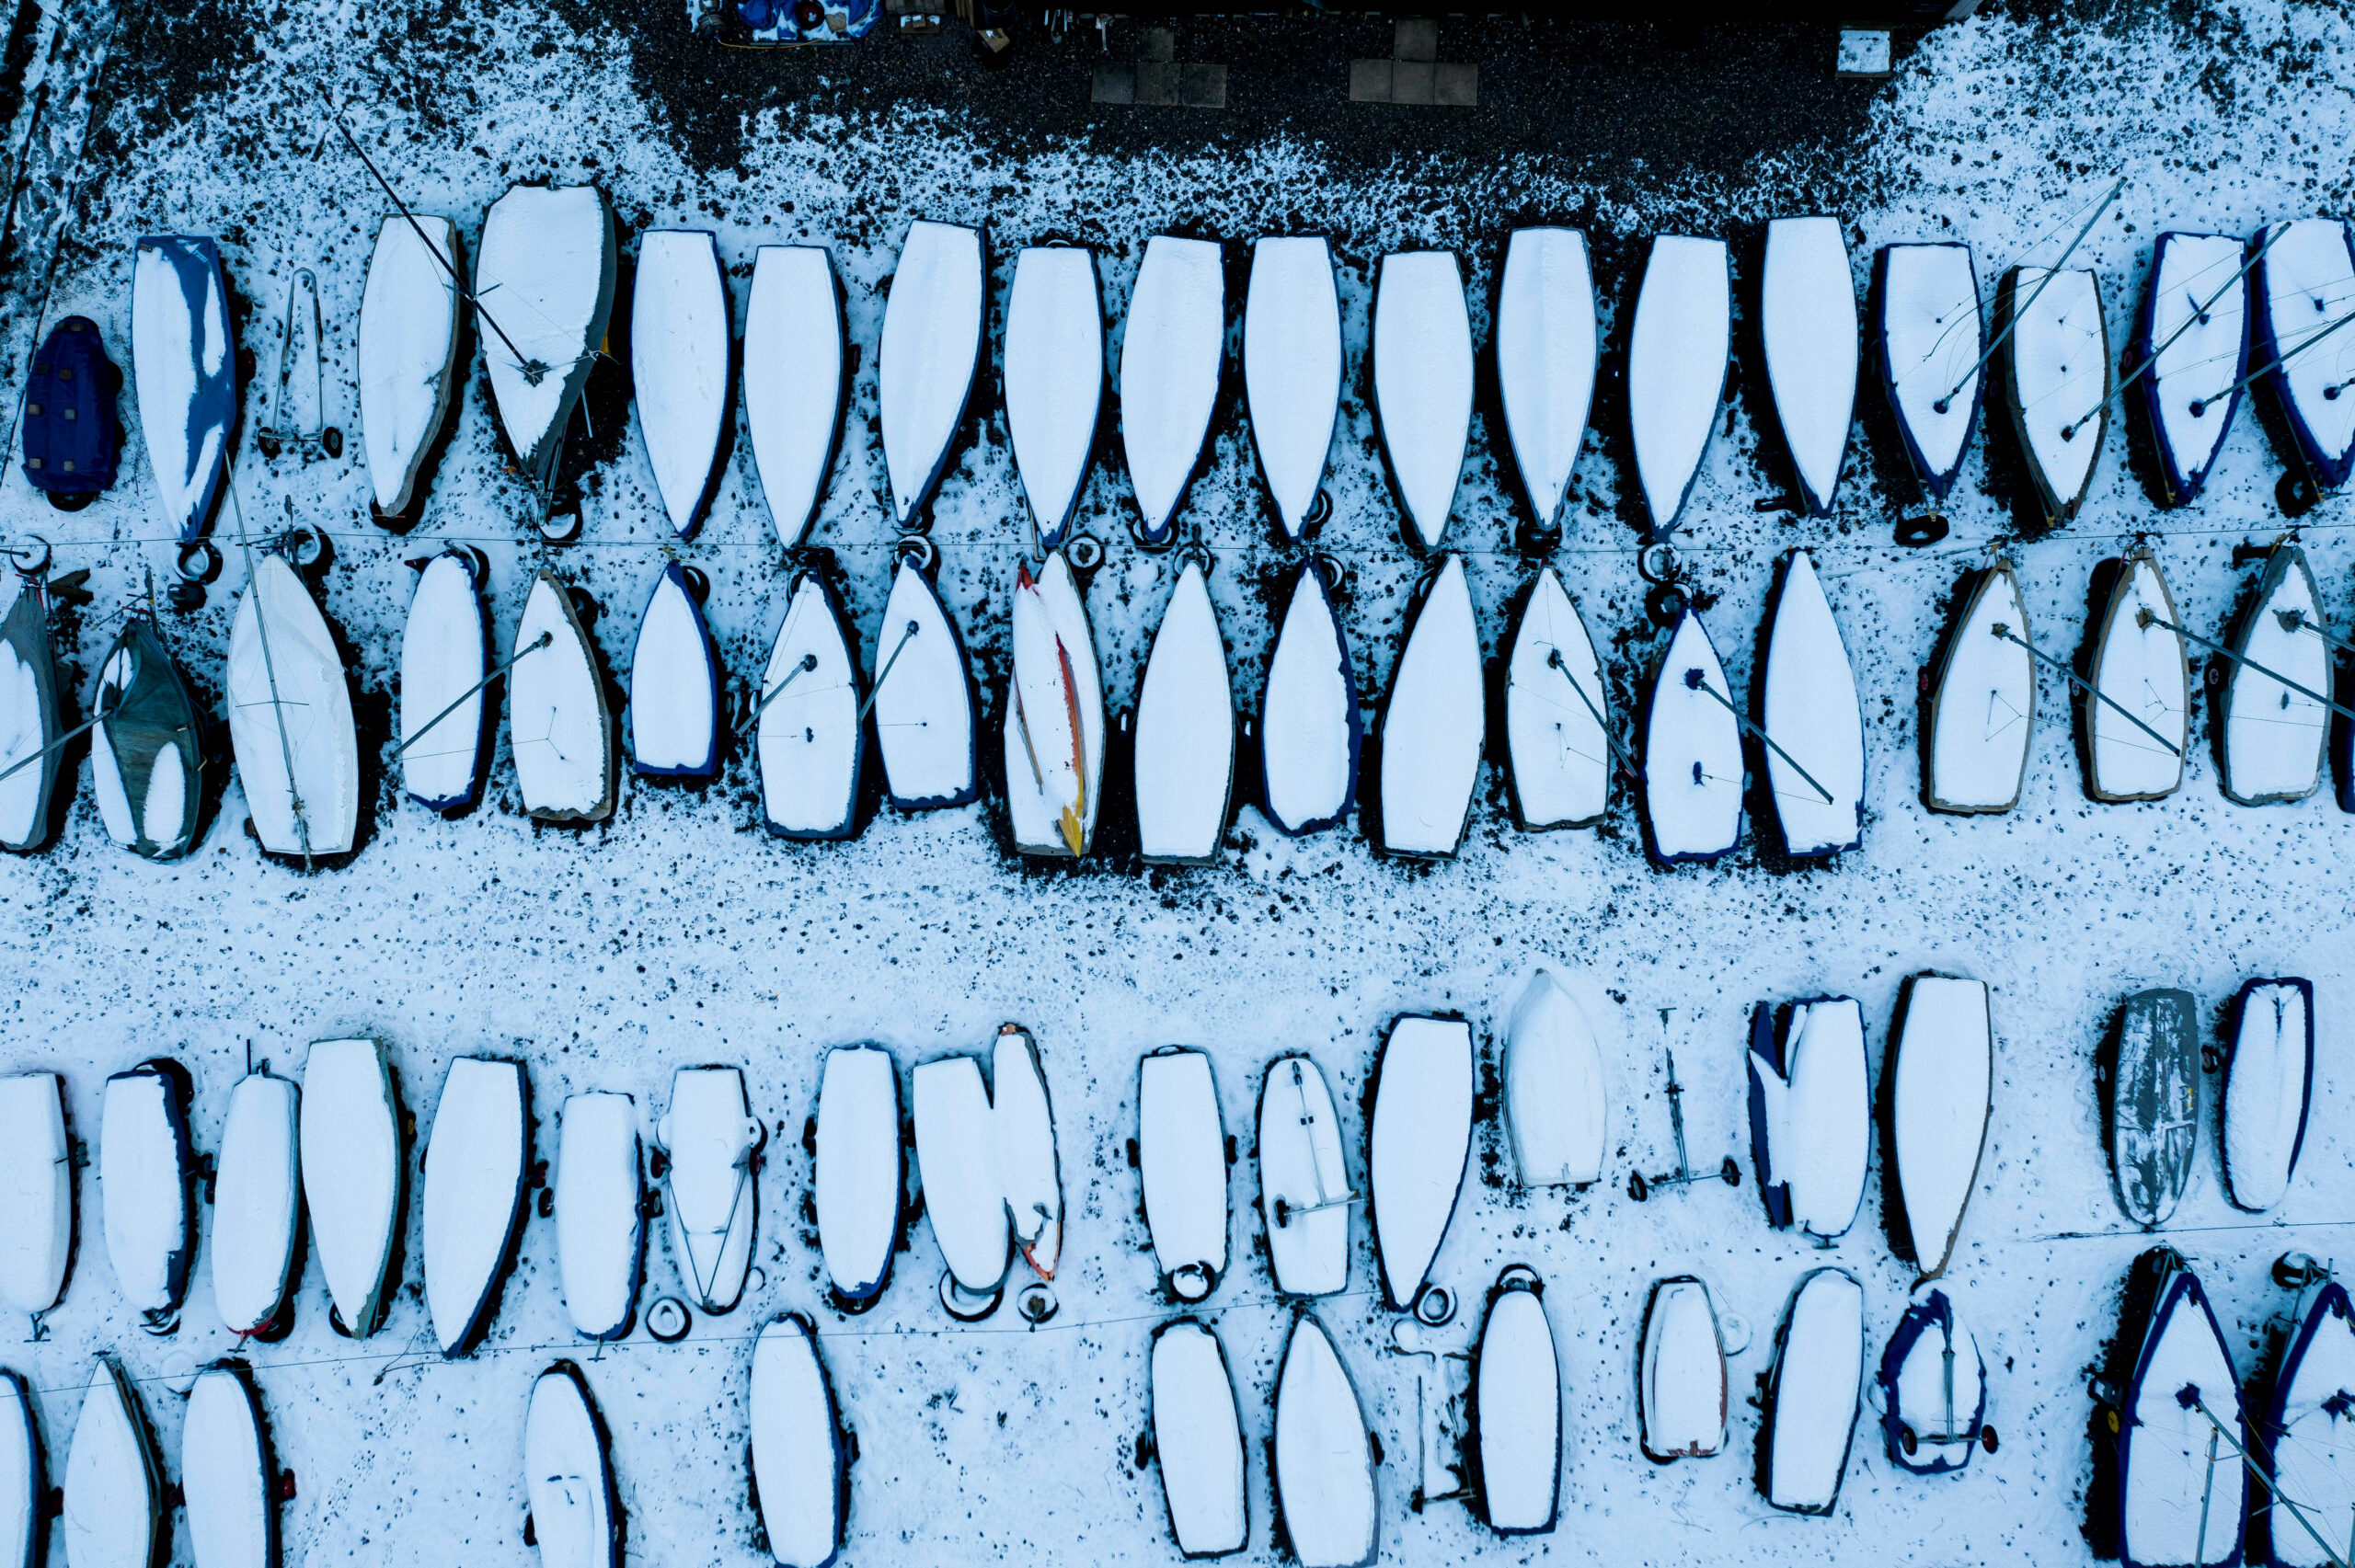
{"x":1546,"y":345}
{"x":150,"y":728}
{"x":1692,"y":752}
{"x":289,"y":696}
{"x":810,"y":736}
{"x":28,"y":720}
{"x":1198,"y":1441}
{"x":1817,"y":1115}
{"x":1054,"y":716}
{"x":2269,"y":1080}
{"x":226,"y":1475}
{"x":1929,"y":341}
{"x":2274,"y":734}
{"x":1517,"y":1391}
{"x":1560,"y":758}
{"x":444,"y":655}
{"x":713,"y":1191}
{"x":473,"y":1192}
{"x":256,"y":1202}
{"x":566,"y":1476}
{"x":35,"y":1192}
{"x":797,"y":1450}
{"x":557,"y":726}
{"x":1422,"y":382}
{"x":144,"y":1172}
{"x":856,"y":1177}
{"x":2305,"y":287}
{"x":543,"y":291}
{"x":964,"y":1196}
{"x":931,"y":352}
{"x":925,"y":723}
{"x":2196,"y":305}
{"x":1308,"y":718}
{"x":408,"y":353}
{"x":674,"y":682}
{"x":1811,"y":713}
{"x":793,"y":381}
{"x":1181,"y":1160}
{"x":1324,"y":1487}
{"x":599,"y":1234}
{"x":1173,"y":353}
{"x":1432,"y":726}
{"x":1945,"y":1067}
{"x":1944,"y":1422}
{"x":1022,"y":1123}
{"x":2182,"y":1485}
{"x":111,"y":1513}
{"x":1982,"y":711}
{"x":352,"y":1173}
{"x":1417,"y":1145}
{"x":2313,"y":1460}
{"x":1185,"y":731}
{"x":2056,"y":380}
{"x":2154,"y":1103}
{"x":22,"y":1481}
{"x":679,"y":346}
{"x":1054,"y":378}
{"x":1292,"y":369}
{"x":1806,"y":318}
{"x":1305,"y":1193}
{"x":1819,"y":1370}
{"x":1677,"y":355}
{"x":2144,"y":670}
{"x":1682,"y":1391}
{"x":179,"y":366}
{"x":1556,"y":1105}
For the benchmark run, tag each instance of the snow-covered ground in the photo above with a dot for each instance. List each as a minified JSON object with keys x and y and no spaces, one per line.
{"x":681,"y":934}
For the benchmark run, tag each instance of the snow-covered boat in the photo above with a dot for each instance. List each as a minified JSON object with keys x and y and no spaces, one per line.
{"x":1419,"y":1144}
{"x":1677,"y":354}
{"x":2303,"y":1445}
{"x":1516,"y":1409}
{"x":1927,"y":340}
{"x":1029,"y":1165}
{"x":1680,"y":1374}
{"x":112,"y":1505}
{"x":600,"y":1193}
{"x":1423,"y":382}
{"x":1185,"y":732}
{"x":1304,"y":1194}
{"x":256,"y":1205}
{"x":569,"y":1474}
{"x":559,"y":727}
{"x":1556,"y":750}
{"x":290,"y":700}
{"x":147,"y":1189}
{"x":2181,"y":1488}
{"x":859,"y":1184}
{"x":679,"y":349}
{"x":1556,"y":1108}
{"x":2268,"y":1088}
{"x":2056,"y":380}
{"x":408,"y":353}
{"x":1291,"y":369}
{"x":1181,"y":1160}
{"x":1433,"y":721}
{"x":147,"y":751}
{"x":1944,"y":1062}
{"x":1547,"y":344}
{"x":2145,"y":669}
{"x":800,"y":1455}
{"x":2194,"y":322}
{"x":2270,"y":735}
{"x":1811,"y":1389}
{"x":1811,"y":713}
{"x":32,"y":723}
{"x":37,"y":1173}
{"x":184,"y":368}
{"x":477,"y":1159}
{"x":1810,"y":1114}
{"x":1983,"y":700}
{"x":228,"y":1474}
{"x":1173,"y":351}
{"x":24,"y":1476}
{"x":925,"y":723}
{"x":1310,"y":731}
{"x":1692,"y":752}
{"x":708,"y":1139}
{"x":1933,"y":1389}
{"x":931,"y":355}
{"x":674,"y":684}
{"x":445,"y":653}
{"x":354,"y":1179}
{"x":1054,"y":716}
{"x":1807,"y":320}
{"x":809,"y":737}
{"x":1054,"y":380}
{"x":1198,"y":1440}
{"x":964,"y":1196}
{"x":544,"y":290}
{"x":2301,"y":288}
{"x":2150,"y":1077}
{"x":797,"y":378}
{"x":1322,"y":1455}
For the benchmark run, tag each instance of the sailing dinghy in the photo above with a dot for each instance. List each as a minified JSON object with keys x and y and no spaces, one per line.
{"x":2303,"y":287}
{"x":1322,"y":1455}
{"x":600,"y":1205}
{"x":1557,"y":1111}
{"x":1422,"y":384}
{"x":1677,"y":355}
{"x":1433,"y":723}
{"x":229,"y":1477}
{"x":408,"y":354}
{"x":1310,"y":731}
{"x":1304,"y":1192}
{"x":290,"y":719}
{"x":2149,"y":1070}
{"x":1680,"y":1374}
{"x":963,"y":1196}
{"x":2143,"y":668}
{"x":1054,"y":380}
{"x":1547,"y":345}
{"x":1983,"y":700}
{"x":37,"y":1170}
{"x":147,"y":1189}
{"x":1030,"y":1167}
{"x":1514,"y":1411}
{"x":544,"y":290}
{"x":355,"y":1183}
{"x":1054,"y":716}
{"x":674,"y":682}
{"x":444,"y":714}
{"x":2268,"y":1089}
{"x":1812,"y":714}
{"x":858,"y":1185}
{"x":1807,"y":313}
{"x":2310,"y":1466}
{"x":32,"y":723}
{"x":2194,"y":323}
{"x":1291,"y":369}
{"x":1811,"y":1390}
{"x":477,"y":1159}
{"x":1933,"y":1389}
{"x":1198,"y":1440}
{"x":184,"y":368}
{"x":1185,"y":731}
{"x":1926,"y":339}
{"x":558,"y":726}
{"x":1181,"y":1159}
{"x":147,"y":752}
{"x":1938,"y":1102}
{"x":797,"y":380}
{"x":2272,"y":735}
{"x":709,"y":1141}
{"x":931,"y":355}
{"x":2181,"y":1489}
{"x":1173,"y":351}
{"x":1557,"y":752}
{"x":2056,"y":380}
{"x":257,"y":1204}
{"x":925,"y":723}
{"x":112,"y":1505}
{"x":24,"y":1475}
{"x":679,"y":348}
{"x":800,"y":1456}
{"x":1810,"y":1114}
{"x":807,"y":735}
{"x":1692,"y":752}
{"x":1418,"y":1146}
{"x":569,"y":1474}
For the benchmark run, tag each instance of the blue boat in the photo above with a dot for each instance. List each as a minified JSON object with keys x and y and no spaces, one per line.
{"x":184,"y":364}
{"x":2194,"y":323}
{"x":73,"y":434}
{"x":1931,"y":1351}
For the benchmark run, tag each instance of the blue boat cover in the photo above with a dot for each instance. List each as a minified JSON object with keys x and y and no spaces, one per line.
{"x":73,"y":435}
